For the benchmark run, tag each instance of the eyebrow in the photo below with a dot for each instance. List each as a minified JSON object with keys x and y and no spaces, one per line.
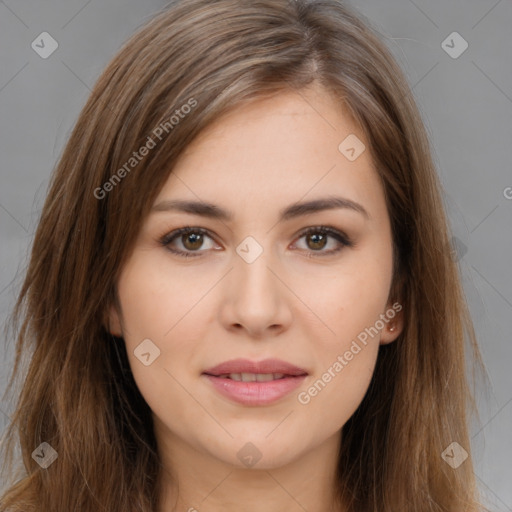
{"x":294,"y":210}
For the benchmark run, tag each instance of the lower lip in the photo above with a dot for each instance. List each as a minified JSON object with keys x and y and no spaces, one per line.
{"x":255,"y":393}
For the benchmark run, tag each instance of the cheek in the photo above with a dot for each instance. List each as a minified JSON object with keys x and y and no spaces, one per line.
{"x":153,"y":310}
{"x":336,"y":394}
{"x":344,"y":364}
{"x":156,"y":299}
{"x":167,"y":308}
{"x":350,"y":304}
{"x":348,"y":300}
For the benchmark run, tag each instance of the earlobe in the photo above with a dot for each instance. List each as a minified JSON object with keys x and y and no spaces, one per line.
{"x":114,"y":322}
{"x":392,"y":329}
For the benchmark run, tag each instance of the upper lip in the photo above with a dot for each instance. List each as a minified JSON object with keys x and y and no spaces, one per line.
{"x":248,"y":366}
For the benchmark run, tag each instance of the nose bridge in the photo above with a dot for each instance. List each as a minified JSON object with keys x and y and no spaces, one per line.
{"x":254,"y":281}
{"x":256,"y":298}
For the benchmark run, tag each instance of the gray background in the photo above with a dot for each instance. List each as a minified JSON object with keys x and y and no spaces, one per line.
{"x":466,"y":103}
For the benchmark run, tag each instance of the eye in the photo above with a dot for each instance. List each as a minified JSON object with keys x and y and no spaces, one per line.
{"x":317,"y":238}
{"x":191,"y":240}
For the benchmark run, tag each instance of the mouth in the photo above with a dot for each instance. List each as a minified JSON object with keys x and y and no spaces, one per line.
{"x":255,"y":383}
{"x":253,"y":377}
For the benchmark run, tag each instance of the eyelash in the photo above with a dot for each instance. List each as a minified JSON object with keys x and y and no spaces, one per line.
{"x":324,"y":230}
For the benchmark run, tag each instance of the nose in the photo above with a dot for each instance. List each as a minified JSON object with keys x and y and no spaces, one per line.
{"x":256,"y":298}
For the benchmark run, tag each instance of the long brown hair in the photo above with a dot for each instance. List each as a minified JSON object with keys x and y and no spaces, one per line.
{"x":78,"y":393}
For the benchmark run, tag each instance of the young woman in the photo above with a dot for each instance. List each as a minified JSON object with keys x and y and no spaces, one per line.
{"x":241,"y":295}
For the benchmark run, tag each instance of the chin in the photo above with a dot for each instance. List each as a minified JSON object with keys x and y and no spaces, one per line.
{"x":257,"y":452}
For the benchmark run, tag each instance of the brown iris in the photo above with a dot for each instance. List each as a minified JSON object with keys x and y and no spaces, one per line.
{"x":317,"y":239}
{"x":195,"y":239}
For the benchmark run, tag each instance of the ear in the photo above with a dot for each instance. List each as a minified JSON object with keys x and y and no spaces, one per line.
{"x":394,"y":326}
{"x":113,"y":321}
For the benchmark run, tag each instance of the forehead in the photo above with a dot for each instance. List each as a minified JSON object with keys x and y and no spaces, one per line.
{"x":275,"y":151}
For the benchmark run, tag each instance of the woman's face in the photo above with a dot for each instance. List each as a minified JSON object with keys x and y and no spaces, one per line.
{"x":255,"y":287}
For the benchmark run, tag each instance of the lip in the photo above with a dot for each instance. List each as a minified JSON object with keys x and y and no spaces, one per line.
{"x":248,"y":366}
{"x":255,"y":393}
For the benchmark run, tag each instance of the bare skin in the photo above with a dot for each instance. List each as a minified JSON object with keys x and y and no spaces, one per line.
{"x":298,"y":301}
